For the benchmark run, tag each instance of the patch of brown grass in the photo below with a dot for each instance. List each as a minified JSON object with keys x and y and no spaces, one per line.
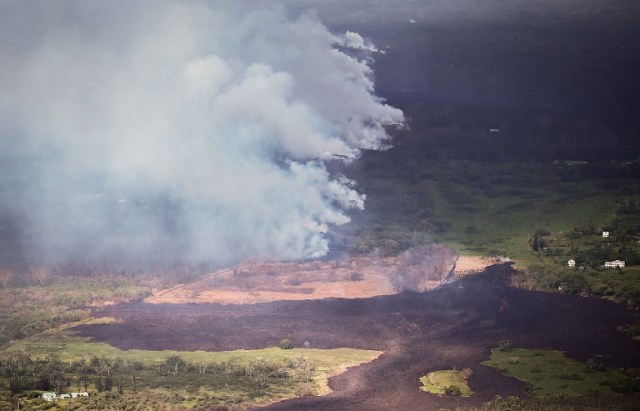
{"x":473,"y":264}
{"x":255,"y":282}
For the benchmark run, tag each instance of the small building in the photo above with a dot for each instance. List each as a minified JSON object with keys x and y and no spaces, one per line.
{"x":605,"y":234}
{"x":64,"y":396}
{"x":614,"y":264}
{"x":571,"y":263}
{"x":49,"y":396}
{"x":79,"y":394}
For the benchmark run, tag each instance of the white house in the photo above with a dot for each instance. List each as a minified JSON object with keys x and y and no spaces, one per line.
{"x":614,"y":264}
{"x":605,"y":234}
{"x":571,"y":263}
{"x":65,"y":396}
{"x":49,"y":396}
{"x":79,"y":394}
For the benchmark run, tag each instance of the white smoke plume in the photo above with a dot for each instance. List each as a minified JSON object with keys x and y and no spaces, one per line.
{"x":199,"y":130}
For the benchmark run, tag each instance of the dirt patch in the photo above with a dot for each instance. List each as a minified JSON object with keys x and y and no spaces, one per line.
{"x":254,"y":282}
{"x":466,"y":265}
{"x":453,"y":326}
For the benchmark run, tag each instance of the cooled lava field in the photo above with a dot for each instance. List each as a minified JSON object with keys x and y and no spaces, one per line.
{"x":455,"y":325}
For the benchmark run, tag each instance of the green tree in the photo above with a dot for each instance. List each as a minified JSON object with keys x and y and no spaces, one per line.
{"x":504,"y":345}
{"x":174,"y":364}
{"x":108,"y":383}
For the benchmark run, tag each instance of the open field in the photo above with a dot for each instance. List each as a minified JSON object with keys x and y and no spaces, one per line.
{"x":549,"y":373}
{"x":496,"y":211}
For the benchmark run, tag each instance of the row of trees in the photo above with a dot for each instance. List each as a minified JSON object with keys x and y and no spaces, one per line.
{"x":162,"y":273}
{"x":24,"y":373}
{"x":32,"y":276}
{"x":587,"y":282}
{"x":591,"y":252}
{"x":597,"y":254}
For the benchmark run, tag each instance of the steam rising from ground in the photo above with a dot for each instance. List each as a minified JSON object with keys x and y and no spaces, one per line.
{"x":195,"y":130}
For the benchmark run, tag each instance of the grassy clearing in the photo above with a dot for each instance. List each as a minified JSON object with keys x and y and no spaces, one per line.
{"x":550,"y":373}
{"x":494,"y":209}
{"x":446,"y":382}
{"x":66,"y":347}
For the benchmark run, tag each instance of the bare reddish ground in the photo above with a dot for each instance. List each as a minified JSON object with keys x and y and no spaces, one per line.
{"x":253,"y":282}
{"x":453,"y":326}
{"x":359,"y":277}
{"x":466,"y":265}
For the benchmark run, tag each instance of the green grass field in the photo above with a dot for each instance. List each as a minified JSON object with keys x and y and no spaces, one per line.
{"x":550,"y":373}
{"x":495,"y":209}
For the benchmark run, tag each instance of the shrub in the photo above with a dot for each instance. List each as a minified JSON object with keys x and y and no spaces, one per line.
{"x":285,"y":344}
{"x":634,"y":330}
{"x":305,"y":389}
{"x":542,"y":232}
{"x":174,"y":365}
{"x":504,"y":345}
{"x":452,"y":391}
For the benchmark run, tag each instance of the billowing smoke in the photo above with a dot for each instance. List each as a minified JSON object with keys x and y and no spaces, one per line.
{"x":199,"y":130}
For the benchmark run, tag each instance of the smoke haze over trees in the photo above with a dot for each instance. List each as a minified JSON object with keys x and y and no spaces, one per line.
{"x":170,"y":130}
